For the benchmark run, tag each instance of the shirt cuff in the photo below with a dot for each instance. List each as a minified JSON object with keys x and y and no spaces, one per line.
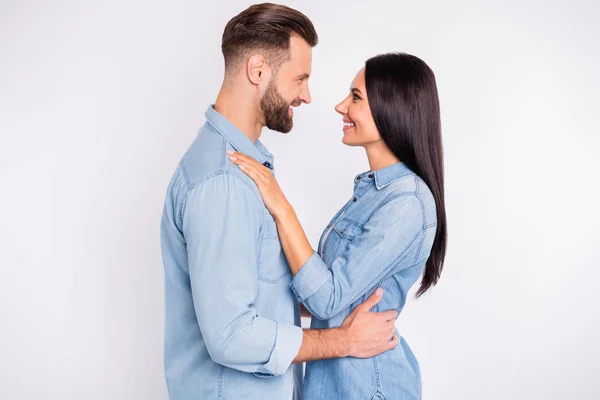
{"x":287,"y":346}
{"x":312,"y":275}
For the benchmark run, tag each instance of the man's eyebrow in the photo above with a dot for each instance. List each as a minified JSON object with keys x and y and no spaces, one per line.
{"x":303,"y":76}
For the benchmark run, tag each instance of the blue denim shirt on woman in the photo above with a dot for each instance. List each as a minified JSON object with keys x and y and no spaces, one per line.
{"x":381,"y":238}
{"x":231,"y":320}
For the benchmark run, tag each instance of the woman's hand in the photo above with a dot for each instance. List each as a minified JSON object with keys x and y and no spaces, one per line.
{"x":270,"y":191}
{"x":291,"y":235}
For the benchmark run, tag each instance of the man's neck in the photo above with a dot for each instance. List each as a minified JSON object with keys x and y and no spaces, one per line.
{"x":238,"y":110}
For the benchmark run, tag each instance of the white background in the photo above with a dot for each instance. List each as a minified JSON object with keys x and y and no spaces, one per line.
{"x":98,"y":101}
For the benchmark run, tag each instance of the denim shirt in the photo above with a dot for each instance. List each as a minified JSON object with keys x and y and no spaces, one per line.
{"x":231,"y":321}
{"x":381,"y":238}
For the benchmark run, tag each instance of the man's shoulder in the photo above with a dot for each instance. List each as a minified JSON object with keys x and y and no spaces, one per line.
{"x":205,"y":157}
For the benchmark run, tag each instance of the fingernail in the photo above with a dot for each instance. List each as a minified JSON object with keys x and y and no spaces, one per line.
{"x":378,"y":291}
{"x":242,"y":167}
{"x":232,"y":158}
{"x":230,"y":152}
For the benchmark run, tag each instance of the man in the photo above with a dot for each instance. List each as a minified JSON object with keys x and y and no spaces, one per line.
{"x":232,"y":323}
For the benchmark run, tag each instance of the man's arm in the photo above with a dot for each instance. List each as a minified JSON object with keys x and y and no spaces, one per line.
{"x":362,"y":334}
{"x":221,"y":221}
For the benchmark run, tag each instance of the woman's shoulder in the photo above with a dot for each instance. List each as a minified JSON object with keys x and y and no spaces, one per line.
{"x":414,"y":193}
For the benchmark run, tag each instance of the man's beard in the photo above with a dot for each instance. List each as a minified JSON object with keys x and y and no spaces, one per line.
{"x":276,"y":110}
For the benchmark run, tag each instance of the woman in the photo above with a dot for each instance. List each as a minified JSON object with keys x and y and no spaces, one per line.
{"x":391,"y":231}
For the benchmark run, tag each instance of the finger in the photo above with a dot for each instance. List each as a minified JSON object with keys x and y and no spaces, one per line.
{"x":241,"y":159}
{"x":251,"y":172}
{"x":245,"y":159}
{"x":264,"y":179}
{"x":389,"y":315}
{"x":249,"y":168}
{"x":393,"y":342}
{"x":373,"y":299}
{"x":235,"y":154}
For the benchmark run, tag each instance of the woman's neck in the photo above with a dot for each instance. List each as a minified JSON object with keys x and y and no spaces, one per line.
{"x":380,"y":156}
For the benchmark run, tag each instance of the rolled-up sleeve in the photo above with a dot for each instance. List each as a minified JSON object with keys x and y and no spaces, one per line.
{"x":380,"y":251}
{"x":221,"y":223}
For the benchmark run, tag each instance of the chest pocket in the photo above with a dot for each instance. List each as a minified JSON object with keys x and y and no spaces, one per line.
{"x":347,"y":229}
{"x":342,"y":234}
{"x":272,"y":264}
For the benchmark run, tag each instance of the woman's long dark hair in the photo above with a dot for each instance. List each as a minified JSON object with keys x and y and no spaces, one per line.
{"x":404,"y":102}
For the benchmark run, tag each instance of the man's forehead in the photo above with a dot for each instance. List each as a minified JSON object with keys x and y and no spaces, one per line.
{"x":300,"y":57}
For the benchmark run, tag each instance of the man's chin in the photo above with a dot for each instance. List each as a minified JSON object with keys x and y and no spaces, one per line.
{"x":285,"y":131}
{"x":282,"y":129}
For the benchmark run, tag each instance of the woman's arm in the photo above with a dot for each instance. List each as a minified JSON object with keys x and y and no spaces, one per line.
{"x":293,"y":239}
{"x":390,"y":242}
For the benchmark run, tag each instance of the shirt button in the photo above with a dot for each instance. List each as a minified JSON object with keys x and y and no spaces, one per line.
{"x":358,"y":178}
{"x":354,"y":200}
{"x":267,"y":164}
{"x":370,"y":175}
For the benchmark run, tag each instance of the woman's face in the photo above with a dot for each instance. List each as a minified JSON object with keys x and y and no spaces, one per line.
{"x":359,"y":126}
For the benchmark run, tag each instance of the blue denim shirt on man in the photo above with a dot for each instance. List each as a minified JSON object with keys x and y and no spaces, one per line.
{"x":381,"y":238}
{"x":231,"y":320}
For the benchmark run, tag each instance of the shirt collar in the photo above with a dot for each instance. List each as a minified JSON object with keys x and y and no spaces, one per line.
{"x":238,"y":140}
{"x":385,"y":176}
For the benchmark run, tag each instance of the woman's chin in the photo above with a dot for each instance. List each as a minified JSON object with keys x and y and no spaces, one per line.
{"x":348,"y":142}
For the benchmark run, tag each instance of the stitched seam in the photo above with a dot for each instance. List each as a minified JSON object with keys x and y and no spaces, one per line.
{"x":214,"y":175}
{"x":357,"y":224}
{"x":221,"y":172}
{"x":397,"y":196}
{"x":265,"y":278}
{"x":419,"y":250}
{"x":274,"y":345}
{"x":423,"y":226}
{"x":186,"y":176}
{"x":342,"y":235}
{"x":381,"y":186}
{"x":181,"y":208}
{"x":377,"y":377}
{"x":420,"y":200}
{"x":416,"y":185}
{"x":220,"y":382}
{"x":219,"y":129}
{"x":223,"y":148}
{"x":226,"y":137}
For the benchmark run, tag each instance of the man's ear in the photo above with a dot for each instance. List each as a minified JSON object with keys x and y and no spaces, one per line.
{"x":256,"y":69}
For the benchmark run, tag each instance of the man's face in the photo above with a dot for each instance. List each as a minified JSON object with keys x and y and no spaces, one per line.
{"x":288,"y":88}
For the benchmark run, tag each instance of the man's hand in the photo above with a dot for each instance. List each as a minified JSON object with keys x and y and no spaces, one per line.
{"x":370,"y":333}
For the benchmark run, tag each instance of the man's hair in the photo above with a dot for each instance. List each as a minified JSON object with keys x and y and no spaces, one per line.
{"x":265,"y":28}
